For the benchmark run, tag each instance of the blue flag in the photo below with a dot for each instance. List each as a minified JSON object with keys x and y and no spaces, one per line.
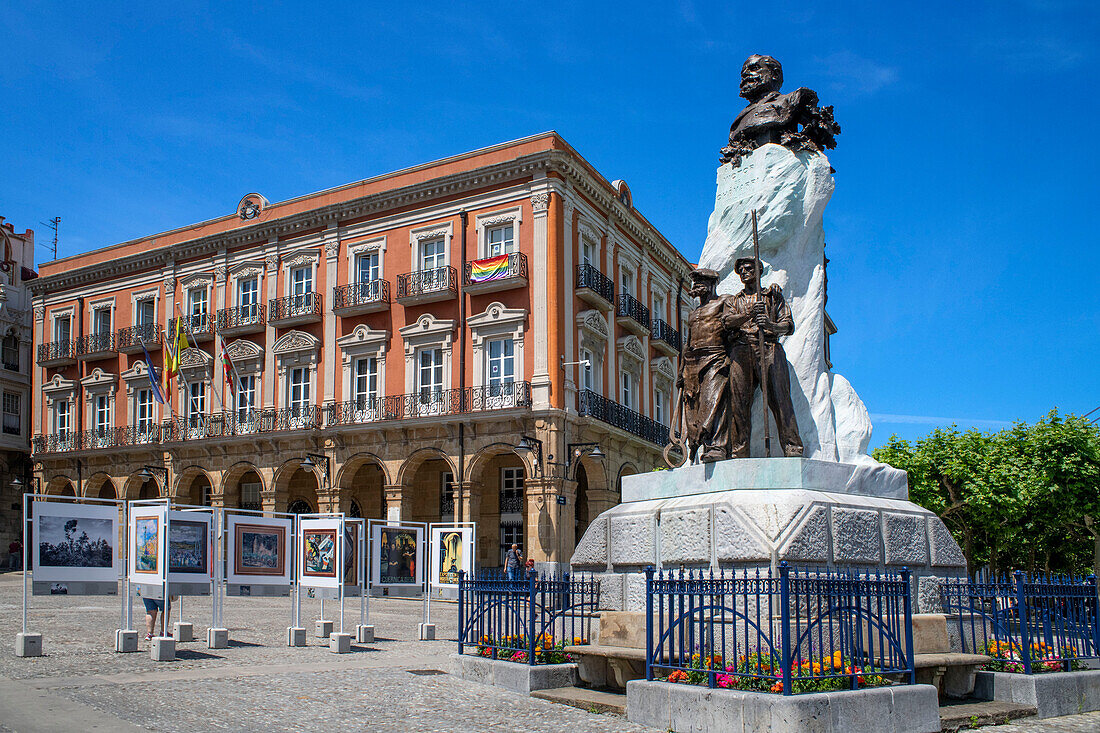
{"x":154,"y":378}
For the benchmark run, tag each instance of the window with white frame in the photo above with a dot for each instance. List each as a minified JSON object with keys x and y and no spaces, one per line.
{"x":250,"y":496}
{"x":62,"y":418}
{"x":62,"y":328}
{"x":196,"y":402}
{"x":248,"y":295}
{"x":446,"y":493}
{"x":197,"y":301}
{"x":101,"y":414}
{"x":659,"y":407}
{"x":301,"y":280}
{"x":659,"y":306}
{"x":500,"y":363}
{"x":588,"y":370}
{"x":367,"y":267}
{"x":433,"y":254}
{"x":146,"y":312}
{"x":511,"y":490}
{"x":11,"y":413}
{"x":143,"y":410}
{"x":511,"y":533}
{"x":299,"y":389}
{"x":11,"y":352}
{"x":101,"y":321}
{"x":246,"y":398}
{"x":587,"y":252}
{"x":500,"y":240}
{"x":626,"y":278}
{"x":429,"y":378}
{"x":365,"y":386}
{"x":627,"y":381}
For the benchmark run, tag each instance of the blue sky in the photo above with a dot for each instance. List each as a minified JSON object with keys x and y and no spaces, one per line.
{"x":963,"y":271}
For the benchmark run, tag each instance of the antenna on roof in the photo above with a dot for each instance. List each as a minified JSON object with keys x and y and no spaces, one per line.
{"x":53,"y":224}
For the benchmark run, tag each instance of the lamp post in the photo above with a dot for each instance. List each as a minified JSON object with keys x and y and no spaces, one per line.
{"x":527,"y":444}
{"x":148,"y":471}
{"x":310,"y":464}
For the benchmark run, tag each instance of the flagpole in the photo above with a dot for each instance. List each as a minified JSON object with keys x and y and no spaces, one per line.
{"x":179,"y":373}
{"x":187,"y":330}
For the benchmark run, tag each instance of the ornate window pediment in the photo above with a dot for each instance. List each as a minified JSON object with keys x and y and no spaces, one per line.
{"x":297,"y":348}
{"x":593,"y":330}
{"x":363,"y":341}
{"x":497,"y":320}
{"x":662,"y":372}
{"x":427,"y":329}
{"x":59,"y":388}
{"x":631,"y":354}
{"x":247,"y":356}
{"x":99,"y":382}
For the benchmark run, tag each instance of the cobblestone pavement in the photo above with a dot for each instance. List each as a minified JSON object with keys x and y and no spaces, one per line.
{"x":261,"y":684}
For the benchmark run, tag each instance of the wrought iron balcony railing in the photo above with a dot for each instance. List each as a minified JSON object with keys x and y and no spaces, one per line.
{"x":197,"y":325}
{"x":134,"y":336}
{"x":298,"y":418}
{"x":515,"y":267}
{"x":511,"y":504}
{"x":589,"y":276}
{"x":421,"y":404}
{"x":95,"y":343}
{"x":664,"y":332}
{"x":295,"y":306}
{"x":57,"y":351}
{"x":612,"y":413}
{"x":446,"y":504}
{"x":361,"y":293}
{"x":242,"y":316}
{"x":629,"y":307}
{"x":425,"y":282}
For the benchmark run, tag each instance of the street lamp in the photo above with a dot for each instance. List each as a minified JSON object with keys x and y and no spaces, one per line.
{"x":309,"y":464}
{"x":577,"y":450}
{"x":527,"y":444}
{"x":148,"y":471}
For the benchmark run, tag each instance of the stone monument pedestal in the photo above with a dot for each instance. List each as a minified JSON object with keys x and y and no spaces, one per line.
{"x":756,"y":513}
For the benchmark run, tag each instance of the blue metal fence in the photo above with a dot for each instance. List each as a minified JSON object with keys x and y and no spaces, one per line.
{"x":801,"y":631}
{"x":525,"y":620}
{"x":1027,"y":624}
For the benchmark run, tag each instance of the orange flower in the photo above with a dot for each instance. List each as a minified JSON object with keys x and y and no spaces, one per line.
{"x":777,"y":687}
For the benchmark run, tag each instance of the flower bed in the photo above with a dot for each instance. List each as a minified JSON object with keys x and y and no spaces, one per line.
{"x":514,"y":648}
{"x":760,"y":672}
{"x":1007,"y":658}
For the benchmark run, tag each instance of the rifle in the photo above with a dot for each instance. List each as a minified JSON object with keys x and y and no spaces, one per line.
{"x":760,"y":332}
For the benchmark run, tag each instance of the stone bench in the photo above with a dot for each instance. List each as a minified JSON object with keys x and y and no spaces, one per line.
{"x":951,"y":673}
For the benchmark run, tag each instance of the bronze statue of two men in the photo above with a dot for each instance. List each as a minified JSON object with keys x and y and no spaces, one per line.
{"x":722,"y":365}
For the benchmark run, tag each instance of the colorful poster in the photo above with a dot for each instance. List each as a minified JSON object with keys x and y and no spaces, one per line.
{"x":320,"y":549}
{"x":397,"y":555}
{"x":187,"y":546}
{"x":75,"y":543}
{"x":352,"y":561}
{"x":451,"y":551}
{"x":147,"y":544}
{"x":258,"y":550}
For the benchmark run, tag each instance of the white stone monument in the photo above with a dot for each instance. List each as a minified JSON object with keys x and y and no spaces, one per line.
{"x":836,"y":506}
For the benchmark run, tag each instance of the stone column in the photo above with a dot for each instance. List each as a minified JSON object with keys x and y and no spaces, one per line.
{"x":645,"y":389}
{"x":610,"y":386}
{"x":540,"y":522}
{"x":218,"y":297}
{"x":569,"y":278}
{"x":37,"y":407}
{"x":271,"y":276}
{"x":540,"y":379}
{"x":468,"y":497}
{"x":398,"y":502}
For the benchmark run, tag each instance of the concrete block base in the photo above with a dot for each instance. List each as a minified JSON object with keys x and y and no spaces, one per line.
{"x":666,"y":706}
{"x":217,"y":638}
{"x":183,"y":631}
{"x":126,"y":640}
{"x":323,"y":629}
{"x":364,"y":634}
{"x":28,"y":645}
{"x":1052,"y":694}
{"x":162,"y":649}
{"x":426,"y":632}
{"x":295,"y":636}
{"x":339,"y":643}
{"x":513,"y":675}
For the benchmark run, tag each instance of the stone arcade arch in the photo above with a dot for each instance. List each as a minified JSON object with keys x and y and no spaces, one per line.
{"x":243,"y":487}
{"x":60,"y":486}
{"x":498,"y":502}
{"x":99,"y":485}
{"x":361,"y":484}
{"x":297,"y":489}
{"x":426,"y":480}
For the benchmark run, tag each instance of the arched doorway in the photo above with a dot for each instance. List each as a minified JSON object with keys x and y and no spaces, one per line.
{"x":150,"y":489}
{"x":361,"y":487}
{"x":302,"y":492}
{"x":242,"y":487}
{"x":581,"y":518}
{"x":199,"y":493}
{"x":299,"y":506}
{"x":498,"y":482}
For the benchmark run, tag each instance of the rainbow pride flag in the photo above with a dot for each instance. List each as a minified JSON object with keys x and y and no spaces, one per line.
{"x":492,"y":268}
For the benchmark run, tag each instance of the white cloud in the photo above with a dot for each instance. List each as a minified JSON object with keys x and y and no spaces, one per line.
{"x":855,"y":74}
{"x":889,"y":419}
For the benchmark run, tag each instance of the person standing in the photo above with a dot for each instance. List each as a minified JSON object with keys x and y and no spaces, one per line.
{"x":513,"y":561}
{"x":15,"y":554}
{"x":152,"y":607}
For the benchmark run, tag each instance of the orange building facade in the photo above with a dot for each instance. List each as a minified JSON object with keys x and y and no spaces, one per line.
{"x":492,"y":337}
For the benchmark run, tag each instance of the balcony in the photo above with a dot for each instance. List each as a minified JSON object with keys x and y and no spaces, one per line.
{"x":57,"y":353}
{"x":294,"y":310}
{"x":446,"y":505}
{"x":665,"y":338}
{"x":427,"y":286}
{"x":429,"y":404}
{"x":594,"y":288}
{"x":616,"y":415}
{"x":632,"y":315}
{"x":96,"y":346}
{"x":358,"y":298}
{"x":85,"y":440}
{"x":493,"y":274}
{"x":130,"y":340}
{"x":198,"y":327}
{"x":241,"y":320}
{"x":511,"y":504}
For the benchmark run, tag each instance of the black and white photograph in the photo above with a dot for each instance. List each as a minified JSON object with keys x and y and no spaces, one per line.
{"x":75,"y":543}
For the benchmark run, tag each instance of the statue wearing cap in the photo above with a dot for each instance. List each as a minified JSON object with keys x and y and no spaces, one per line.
{"x":716,"y":368}
{"x":772,"y":315}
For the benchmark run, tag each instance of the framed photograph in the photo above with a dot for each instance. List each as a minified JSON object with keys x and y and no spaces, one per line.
{"x":352,"y":560}
{"x":75,"y":544}
{"x":398,"y":555}
{"x":147,"y":544}
{"x":258,"y":550}
{"x":188,"y":543}
{"x":451,"y":551}
{"x":320,"y":552}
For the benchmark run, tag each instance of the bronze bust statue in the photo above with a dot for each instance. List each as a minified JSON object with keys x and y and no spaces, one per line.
{"x":793,"y":120}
